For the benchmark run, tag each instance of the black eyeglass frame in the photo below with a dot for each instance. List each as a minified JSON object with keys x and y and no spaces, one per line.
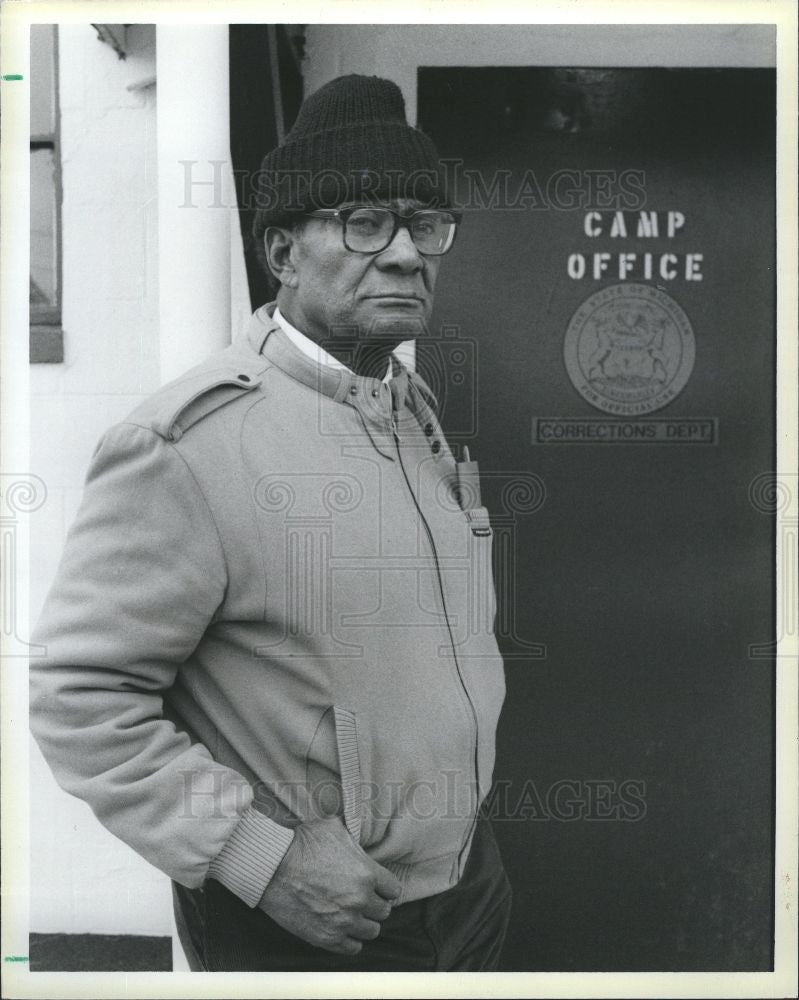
{"x":400,"y":219}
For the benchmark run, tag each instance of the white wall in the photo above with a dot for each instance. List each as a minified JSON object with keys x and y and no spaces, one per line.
{"x":82,"y":878}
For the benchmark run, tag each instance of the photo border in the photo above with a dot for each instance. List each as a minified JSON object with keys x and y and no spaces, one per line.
{"x":18,"y":981}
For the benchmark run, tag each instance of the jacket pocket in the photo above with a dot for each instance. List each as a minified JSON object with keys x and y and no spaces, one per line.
{"x":349,"y":763}
{"x":482,"y":591}
{"x":405,"y":801}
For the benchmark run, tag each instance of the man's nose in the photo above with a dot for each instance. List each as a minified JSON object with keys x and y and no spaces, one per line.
{"x":401,"y":252}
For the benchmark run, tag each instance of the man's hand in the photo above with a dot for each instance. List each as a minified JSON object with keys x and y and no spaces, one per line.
{"x":327,"y":890}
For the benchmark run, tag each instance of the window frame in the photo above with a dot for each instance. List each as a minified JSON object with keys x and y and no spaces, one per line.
{"x":46,"y":333}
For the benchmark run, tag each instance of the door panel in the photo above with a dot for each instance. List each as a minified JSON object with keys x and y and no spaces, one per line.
{"x":635,"y":770}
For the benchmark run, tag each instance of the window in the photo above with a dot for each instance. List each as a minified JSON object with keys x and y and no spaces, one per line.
{"x":46,"y":342}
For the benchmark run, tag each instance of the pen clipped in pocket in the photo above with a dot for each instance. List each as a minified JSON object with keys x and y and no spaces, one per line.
{"x":468,"y":483}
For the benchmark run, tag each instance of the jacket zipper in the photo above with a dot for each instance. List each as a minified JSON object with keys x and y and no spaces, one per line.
{"x":465,"y":690}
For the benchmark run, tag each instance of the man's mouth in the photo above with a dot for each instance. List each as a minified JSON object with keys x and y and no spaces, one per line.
{"x":394,"y":296}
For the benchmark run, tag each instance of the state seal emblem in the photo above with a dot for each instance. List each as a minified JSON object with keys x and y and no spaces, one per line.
{"x":629,"y":349}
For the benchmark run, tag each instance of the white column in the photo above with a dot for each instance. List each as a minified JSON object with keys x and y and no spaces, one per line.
{"x":194,"y":206}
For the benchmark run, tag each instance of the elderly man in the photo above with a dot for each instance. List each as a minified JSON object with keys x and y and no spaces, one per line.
{"x":271,"y":667}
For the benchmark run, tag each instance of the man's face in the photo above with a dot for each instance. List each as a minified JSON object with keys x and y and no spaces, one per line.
{"x":387,"y":295}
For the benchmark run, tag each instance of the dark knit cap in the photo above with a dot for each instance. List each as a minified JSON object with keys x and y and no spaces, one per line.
{"x":351,"y":142}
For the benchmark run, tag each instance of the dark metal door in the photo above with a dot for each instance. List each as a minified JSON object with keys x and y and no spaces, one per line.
{"x":624,"y":420}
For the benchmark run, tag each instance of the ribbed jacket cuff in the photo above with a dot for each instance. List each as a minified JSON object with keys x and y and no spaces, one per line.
{"x":249,"y":859}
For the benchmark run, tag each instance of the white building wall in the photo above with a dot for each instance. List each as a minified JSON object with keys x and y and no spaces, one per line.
{"x":82,"y":878}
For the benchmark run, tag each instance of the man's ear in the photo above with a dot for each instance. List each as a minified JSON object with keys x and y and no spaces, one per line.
{"x":280,"y":249}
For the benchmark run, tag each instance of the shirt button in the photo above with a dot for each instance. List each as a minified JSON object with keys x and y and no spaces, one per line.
{"x":375,"y":392}
{"x":428,"y":429}
{"x":436,"y":446}
{"x":353,"y":390}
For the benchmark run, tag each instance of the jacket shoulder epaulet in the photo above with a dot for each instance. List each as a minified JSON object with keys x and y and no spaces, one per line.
{"x":179,"y":405}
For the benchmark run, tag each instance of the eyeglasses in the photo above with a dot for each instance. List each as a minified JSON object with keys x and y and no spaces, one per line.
{"x":370,"y":230}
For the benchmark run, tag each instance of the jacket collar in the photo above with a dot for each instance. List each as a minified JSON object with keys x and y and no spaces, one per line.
{"x":266,"y":338}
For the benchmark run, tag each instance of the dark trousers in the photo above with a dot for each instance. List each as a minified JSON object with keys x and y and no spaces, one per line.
{"x":461,"y":929}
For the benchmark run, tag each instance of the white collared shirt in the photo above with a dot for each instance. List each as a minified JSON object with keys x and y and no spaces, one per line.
{"x":311,"y":348}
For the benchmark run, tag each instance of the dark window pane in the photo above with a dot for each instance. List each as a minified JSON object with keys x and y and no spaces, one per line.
{"x":44,"y":268}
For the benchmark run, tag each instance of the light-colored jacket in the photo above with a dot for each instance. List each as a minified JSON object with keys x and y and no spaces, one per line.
{"x":272,"y":607}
